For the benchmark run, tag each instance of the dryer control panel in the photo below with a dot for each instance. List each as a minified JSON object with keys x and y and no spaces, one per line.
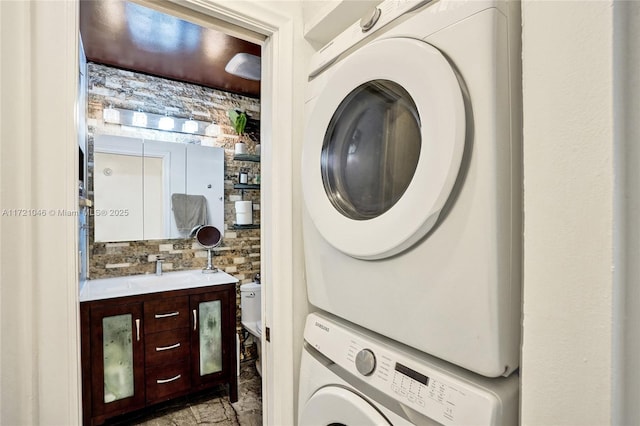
{"x":380,"y":16}
{"x":445,"y":393}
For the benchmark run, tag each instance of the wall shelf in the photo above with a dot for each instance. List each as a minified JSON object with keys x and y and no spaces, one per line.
{"x":239,"y":227}
{"x":247,"y":157}
{"x":246,"y":186}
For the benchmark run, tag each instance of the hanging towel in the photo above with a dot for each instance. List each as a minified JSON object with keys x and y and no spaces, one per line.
{"x":189,"y":211}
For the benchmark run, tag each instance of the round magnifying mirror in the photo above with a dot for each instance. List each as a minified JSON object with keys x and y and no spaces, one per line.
{"x":208,"y":237}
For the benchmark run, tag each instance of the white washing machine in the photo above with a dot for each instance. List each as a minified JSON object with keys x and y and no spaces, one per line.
{"x":412,"y":181}
{"x":352,"y":377}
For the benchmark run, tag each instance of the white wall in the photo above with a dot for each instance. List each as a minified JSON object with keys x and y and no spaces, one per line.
{"x":568,"y":209}
{"x":39,"y":360}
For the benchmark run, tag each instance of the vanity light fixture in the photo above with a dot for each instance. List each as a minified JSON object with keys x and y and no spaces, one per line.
{"x":148,"y":120}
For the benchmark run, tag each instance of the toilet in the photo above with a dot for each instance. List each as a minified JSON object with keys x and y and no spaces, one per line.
{"x":250,"y":303}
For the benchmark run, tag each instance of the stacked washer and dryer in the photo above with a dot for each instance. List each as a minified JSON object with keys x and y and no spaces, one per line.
{"x":412,"y":218}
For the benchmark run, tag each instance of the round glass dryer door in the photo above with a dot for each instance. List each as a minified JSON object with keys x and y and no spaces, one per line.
{"x":337,"y":406}
{"x":371,"y":149}
{"x":383,"y":147}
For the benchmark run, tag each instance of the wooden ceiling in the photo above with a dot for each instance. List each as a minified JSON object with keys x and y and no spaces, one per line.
{"x":129,"y":36}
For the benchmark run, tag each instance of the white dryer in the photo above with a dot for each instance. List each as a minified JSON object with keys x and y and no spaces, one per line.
{"x":411,"y":176}
{"x":351,"y":377}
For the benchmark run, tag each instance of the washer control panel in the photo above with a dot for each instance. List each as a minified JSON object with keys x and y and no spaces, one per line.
{"x":410,"y":384}
{"x":438,"y":390}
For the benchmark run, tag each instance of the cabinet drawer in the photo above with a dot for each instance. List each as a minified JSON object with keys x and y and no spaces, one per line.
{"x":166,"y":314}
{"x":164,"y":381}
{"x":167,"y":346}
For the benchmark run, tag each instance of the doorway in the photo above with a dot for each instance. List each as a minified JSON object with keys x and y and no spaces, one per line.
{"x":43,"y":255}
{"x":145,"y":62}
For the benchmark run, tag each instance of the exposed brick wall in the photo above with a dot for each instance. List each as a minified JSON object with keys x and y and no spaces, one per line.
{"x":239,"y":253}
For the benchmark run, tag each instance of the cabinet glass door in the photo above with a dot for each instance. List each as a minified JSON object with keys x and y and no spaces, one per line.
{"x":210,"y":336}
{"x":117,"y":347}
{"x":212,"y":330}
{"x":117,"y":358}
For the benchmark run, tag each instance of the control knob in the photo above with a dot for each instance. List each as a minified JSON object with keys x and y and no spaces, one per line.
{"x":370,"y":19}
{"x":365,"y":362}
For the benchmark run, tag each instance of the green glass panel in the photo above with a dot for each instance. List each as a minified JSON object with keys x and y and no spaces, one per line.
{"x":117,"y":345}
{"x":210,"y":337}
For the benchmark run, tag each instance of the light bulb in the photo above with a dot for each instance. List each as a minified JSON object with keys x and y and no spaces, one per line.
{"x":166,"y":123}
{"x":111,"y":115}
{"x":139,"y":119}
{"x":212,"y":130}
{"x":190,"y":126}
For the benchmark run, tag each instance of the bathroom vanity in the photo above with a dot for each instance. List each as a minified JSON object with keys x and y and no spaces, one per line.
{"x":147,"y":339}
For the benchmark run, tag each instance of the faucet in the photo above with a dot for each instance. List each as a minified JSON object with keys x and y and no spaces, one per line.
{"x":159,"y":261}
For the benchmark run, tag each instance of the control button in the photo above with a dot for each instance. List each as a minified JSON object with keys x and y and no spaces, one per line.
{"x":365,"y":362}
{"x":369,"y":20}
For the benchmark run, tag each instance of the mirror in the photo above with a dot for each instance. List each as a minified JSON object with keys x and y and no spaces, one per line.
{"x":208,"y":237}
{"x":148,"y":189}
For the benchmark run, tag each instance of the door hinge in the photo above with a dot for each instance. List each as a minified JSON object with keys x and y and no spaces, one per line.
{"x":267,"y":334}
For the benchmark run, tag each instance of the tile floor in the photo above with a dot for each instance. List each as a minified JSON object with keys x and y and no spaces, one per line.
{"x":212,"y":407}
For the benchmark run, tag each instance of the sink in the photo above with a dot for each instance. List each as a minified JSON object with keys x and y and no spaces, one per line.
{"x":107,"y":288}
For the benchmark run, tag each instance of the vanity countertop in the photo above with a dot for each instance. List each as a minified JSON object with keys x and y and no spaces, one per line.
{"x":107,"y":288}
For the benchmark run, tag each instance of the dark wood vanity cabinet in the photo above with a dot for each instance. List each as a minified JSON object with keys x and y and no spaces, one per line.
{"x":141,"y":350}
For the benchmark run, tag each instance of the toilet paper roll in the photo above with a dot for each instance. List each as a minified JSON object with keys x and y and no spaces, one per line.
{"x":244,"y":206}
{"x":244,"y":212}
{"x":244,"y":218}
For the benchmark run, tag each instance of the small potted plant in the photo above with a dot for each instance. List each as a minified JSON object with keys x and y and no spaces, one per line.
{"x":239,"y":122}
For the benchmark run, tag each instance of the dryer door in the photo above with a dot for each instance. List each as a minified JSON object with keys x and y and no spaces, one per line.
{"x":335,"y":406}
{"x":383,"y":147}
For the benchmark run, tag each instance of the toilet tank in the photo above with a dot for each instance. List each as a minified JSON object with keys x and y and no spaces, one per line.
{"x":250,"y":302}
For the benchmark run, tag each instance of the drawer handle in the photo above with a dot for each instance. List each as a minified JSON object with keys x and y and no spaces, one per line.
{"x":163,"y":381}
{"x":170,"y":314}
{"x":166,"y":348}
